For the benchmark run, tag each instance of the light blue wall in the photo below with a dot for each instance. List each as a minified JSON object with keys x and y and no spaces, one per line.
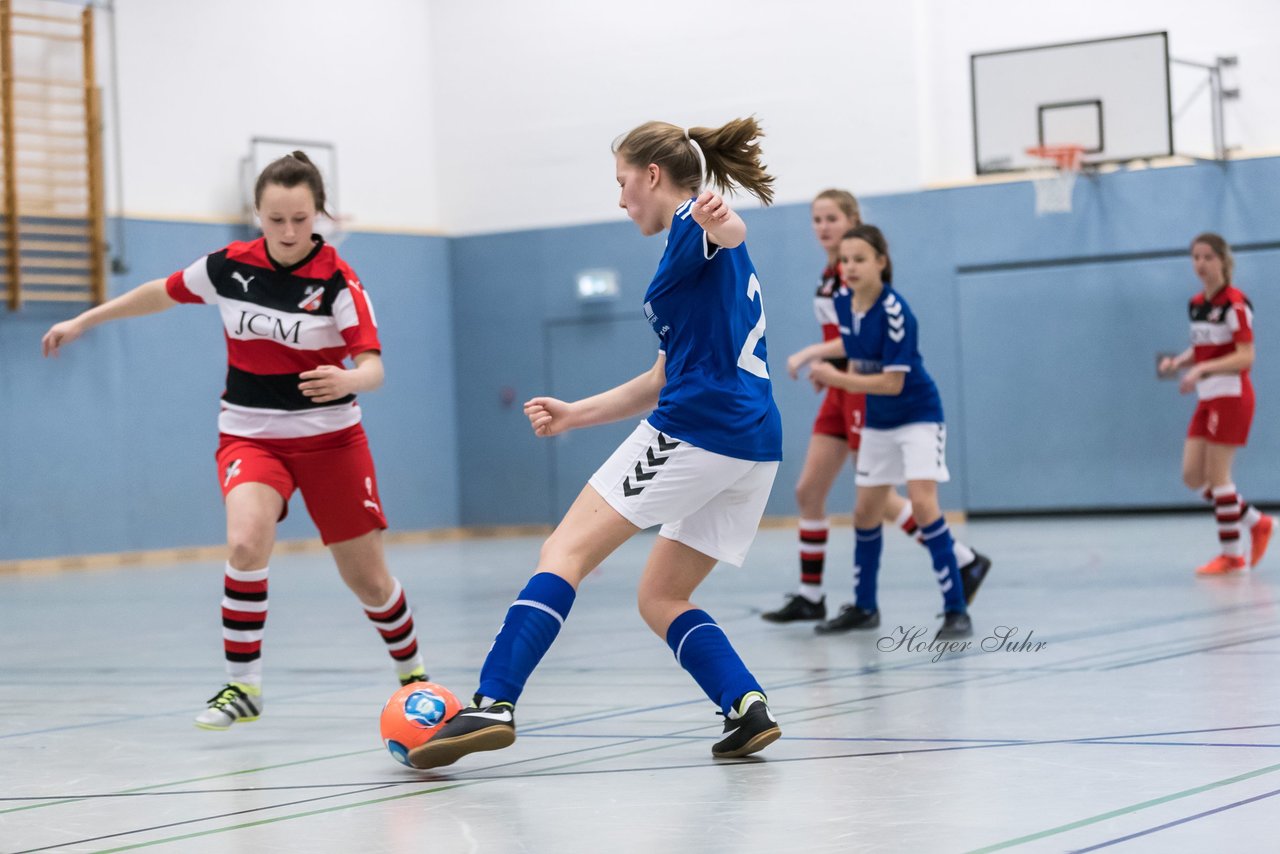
{"x":110,"y":446}
{"x":1041,"y":333}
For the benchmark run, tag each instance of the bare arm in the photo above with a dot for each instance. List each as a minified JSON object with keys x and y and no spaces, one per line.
{"x":833,"y":349}
{"x":329,"y":382}
{"x":1241,"y":359}
{"x":1172,"y":364}
{"x":885,"y":383}
{"x":147,"y":298}
{"x":549,"y":416}
{"x":722,"y":224}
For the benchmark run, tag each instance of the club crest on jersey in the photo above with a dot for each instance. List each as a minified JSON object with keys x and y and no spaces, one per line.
{"x":658,"y":326}
{"x":312,"y":298}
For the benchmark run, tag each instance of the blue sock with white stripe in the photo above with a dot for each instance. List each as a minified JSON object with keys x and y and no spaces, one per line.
{"x":532,"y":623}
{"x":938,"y":538}
{"x":866,"y":566}
{"x":703,"y":649}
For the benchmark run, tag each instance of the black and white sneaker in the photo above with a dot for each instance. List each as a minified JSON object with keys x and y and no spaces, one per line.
{"x":797,"y":607}
{"x":972,"y":574}
{"x":469,"y":731}
{"x":748,"y":728}
{"x":956,"y":625}
{"x":851,"y":617}
{"x":237,"y":702}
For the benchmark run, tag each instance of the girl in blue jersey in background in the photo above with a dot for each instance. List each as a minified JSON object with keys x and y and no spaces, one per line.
{"x":905,"y":437}
{"x":701,"y":463}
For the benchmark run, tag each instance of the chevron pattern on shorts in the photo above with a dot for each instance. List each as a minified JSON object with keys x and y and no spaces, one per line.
{"x":647,"y":469}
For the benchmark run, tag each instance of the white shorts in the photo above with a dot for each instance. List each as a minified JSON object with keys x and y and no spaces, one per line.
{"x":910,"y":452}
{"x":709,"y":502}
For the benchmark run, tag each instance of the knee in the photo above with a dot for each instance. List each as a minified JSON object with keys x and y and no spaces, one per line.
{"x":808,"y":498}
{"x":655,"y":610}
{"x":248,"y":548}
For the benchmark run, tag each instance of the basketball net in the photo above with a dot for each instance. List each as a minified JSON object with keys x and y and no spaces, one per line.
{"x":1054,"y":189}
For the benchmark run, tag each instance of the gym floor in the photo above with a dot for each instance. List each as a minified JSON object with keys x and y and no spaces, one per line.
{"x":1110,"y":699}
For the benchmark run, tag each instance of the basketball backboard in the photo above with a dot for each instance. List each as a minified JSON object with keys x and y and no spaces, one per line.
{"x":1111,"y":96}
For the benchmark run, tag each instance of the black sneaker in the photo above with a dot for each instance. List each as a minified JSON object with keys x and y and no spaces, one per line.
{"x":749,"y":727}
{"x":956,"y":625}
{"x":850,"y":617}
{"x":470,"y":730}
{"x":971,"y":575}
{"x":798,"y":608}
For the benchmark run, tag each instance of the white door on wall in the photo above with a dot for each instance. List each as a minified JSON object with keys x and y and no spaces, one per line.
{"x":584,"y":357}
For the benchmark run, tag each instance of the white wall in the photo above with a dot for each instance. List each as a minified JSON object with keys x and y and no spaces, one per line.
{"x":1249,"y":29}
{"x":199,"y":79}
{"x":475,"y":117}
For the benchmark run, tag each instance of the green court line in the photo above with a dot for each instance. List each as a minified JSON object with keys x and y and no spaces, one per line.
{"x":307,"y":814}
{"x":1085,"y":822}
{"x":371,"y":802}
{"x":221,"y":776}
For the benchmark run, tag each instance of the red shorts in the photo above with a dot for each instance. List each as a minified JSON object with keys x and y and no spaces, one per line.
{"x":841,"y":415}
{"x":333,"y":471}
{"x":1223,"y":420}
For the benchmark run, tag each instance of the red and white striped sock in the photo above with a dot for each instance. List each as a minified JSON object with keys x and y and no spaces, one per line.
{"x":813,"y":555}
{"x":394,"y":621}
{"x":244,"y":613}
{"x":1226,"y":509}
{"x":907,"y":523}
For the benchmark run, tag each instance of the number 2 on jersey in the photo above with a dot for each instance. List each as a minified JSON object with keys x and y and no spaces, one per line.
{"x":747,"y":358}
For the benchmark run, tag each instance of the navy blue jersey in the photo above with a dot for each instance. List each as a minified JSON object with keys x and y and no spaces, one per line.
{"x":886,"y":339}
{"x":705,"y":305}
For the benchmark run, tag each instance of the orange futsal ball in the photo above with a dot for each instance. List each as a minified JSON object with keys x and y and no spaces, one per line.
{"x":413,"y":715}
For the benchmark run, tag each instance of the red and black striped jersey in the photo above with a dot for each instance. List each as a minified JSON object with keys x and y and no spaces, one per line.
{"x":1217,"y":326}
{"x":280,"y":321}
{"x":824,"y":308}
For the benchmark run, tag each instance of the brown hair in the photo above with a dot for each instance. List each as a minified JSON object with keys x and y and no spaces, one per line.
{"x":875,"y":237}
{"x":731,"y":151}
{"x":1222,"y":249}
{"x":289,"y":171}
{"x":845,"y":201}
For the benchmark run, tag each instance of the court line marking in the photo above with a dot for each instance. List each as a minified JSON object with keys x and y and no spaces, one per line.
{"x":1177,"y":822}
{"x":1132,"y":808}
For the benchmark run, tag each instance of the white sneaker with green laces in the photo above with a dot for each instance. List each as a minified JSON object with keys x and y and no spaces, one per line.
{"x":236,"y":703}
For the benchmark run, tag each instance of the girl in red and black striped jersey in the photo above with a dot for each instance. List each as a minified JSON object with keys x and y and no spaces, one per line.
{"x":292,"y":312}
{"x":837,"y":432}
{"x":1219,"y":359}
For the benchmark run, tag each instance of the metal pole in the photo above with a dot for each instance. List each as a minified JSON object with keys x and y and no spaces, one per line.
{"x":10,"y":160}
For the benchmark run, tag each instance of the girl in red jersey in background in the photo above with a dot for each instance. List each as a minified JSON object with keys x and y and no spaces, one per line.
{"x":1219,"y":357}
{"x":292,"y":312}
{"x":837,"y":431}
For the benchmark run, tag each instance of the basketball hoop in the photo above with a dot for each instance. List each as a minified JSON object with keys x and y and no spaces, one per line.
{"x":1053,"y":191}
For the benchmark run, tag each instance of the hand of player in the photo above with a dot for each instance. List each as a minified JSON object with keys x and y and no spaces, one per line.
{"x":326,"y":383}
{"x":710,"y":210}
{"x":796,"y":361}
{"x":821,"y":374}
{"x":547,"y":416}
{"x":1187,"y":384}
{"x":60,"y":334}
{"x":1168,"y":366}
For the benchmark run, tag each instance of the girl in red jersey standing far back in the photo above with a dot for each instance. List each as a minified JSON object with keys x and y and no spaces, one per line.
{"x":292,"y":312}
{"x":1219,"y":359}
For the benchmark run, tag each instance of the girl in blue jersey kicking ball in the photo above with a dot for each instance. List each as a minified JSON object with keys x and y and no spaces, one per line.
{"x":700,"y":464}
{"x":904,"y":439}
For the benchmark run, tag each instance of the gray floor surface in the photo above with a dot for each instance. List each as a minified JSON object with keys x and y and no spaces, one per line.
{"x":1125,"y":704}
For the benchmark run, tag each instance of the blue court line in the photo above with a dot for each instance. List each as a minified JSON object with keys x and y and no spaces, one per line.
{"x":1170,"y":824}
{"x":1198,"y":651}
